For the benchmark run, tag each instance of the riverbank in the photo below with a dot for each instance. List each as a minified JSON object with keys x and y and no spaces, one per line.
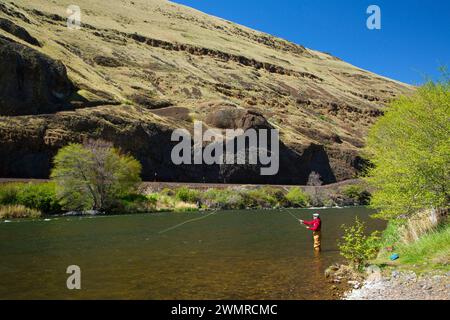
{"x":421,"y":272}
{"x":151,"y":197}
{"x":403,"y":285}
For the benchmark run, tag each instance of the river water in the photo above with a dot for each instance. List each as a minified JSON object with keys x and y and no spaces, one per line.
{"x":260,"y":254}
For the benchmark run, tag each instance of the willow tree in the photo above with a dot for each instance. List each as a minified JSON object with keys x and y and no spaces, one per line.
{"x":94,"y":175}
{"x":410,"y":150}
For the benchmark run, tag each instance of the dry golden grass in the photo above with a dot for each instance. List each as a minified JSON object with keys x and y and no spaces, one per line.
{"x":420,"y":224}
{"x":184,"y":206}
{"x":190,"y":80}
{"x":18,"y":211}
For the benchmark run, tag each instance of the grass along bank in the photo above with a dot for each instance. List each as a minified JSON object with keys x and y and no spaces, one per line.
{"x":18,"y":211}
{"x":43,"y":197}
{"x":421,"y":245}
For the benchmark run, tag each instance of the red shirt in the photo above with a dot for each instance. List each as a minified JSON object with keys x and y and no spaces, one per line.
{"x":314,"y":225}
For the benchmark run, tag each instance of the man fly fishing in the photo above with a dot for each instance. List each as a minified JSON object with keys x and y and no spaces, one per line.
{"x":315,"y":226}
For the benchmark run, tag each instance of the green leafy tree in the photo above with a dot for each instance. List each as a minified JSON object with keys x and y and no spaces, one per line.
{"x":94,"y":176}
{"x":410,"y":150}
{"x":356,"y":246}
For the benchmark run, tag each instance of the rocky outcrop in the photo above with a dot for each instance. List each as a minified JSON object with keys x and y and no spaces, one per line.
{"x":28,"y":153}
{"x":18,"y":31}
{"x":31,"y":82}
{"x":224,"y":56}
{"x":236,"y":118}
{"x":107,"y":61}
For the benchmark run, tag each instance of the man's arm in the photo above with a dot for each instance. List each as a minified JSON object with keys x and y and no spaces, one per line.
{"x":308,"y":223}
{"x":314,"y":226}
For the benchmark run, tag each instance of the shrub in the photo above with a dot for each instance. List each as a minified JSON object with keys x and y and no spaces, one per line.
{"x":152,"y":198}
{"x":94,"y":176}
{"x":40,"y":196}
{"x":165,"y":202}
{"x":248,"y":199}
{"x":235,"y":201}
{"x":297,"y":198}
{"x":223,"y":199}
{"x":187,"y":195}
{"x":356,"y":247}
{"x":18,"y":211}
{"x":391,"y":235}
{"x":167,"y":192}
{"x":357,"y":193}
{"x":136,"y":203}
{"x":260,"y":198}
{"x":8,"y":193}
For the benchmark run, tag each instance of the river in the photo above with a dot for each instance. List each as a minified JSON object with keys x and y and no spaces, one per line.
{"x":259,"y":254}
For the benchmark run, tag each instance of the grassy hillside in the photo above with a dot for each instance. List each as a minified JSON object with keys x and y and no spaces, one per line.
{"x":160,"y":63}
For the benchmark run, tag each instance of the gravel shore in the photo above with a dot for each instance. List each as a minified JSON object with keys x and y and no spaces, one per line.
{"x":403,"y":285}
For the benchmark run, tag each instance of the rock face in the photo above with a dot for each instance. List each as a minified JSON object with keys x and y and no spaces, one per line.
{"x":18,"y":31}
{"x":129,"y":76}
{"x":31,"y":82}
{"x":233,"y":118}
{"x":28,"y":153}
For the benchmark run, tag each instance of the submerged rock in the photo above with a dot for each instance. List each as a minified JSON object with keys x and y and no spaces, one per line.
{"x":83,"y":213}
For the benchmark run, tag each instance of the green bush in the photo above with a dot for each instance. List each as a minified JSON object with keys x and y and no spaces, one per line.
{"x":153,"y":198}
{"x":223,"y":199}
{"x":260,"y":198}
{"x":167,"y":192}
{"x":297,"y":198}
{"x":8,"y":193}
{"x":248,"y":198}
{"x":39,"y":196}
{"x":356,"y":247}
{"x":135,"y":203}
{"x":391,"y":235}
{"x":357,"y":193}
{"x":187,"y":195}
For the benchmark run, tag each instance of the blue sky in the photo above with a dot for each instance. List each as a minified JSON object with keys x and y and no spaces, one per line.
{"x":413,"y":42}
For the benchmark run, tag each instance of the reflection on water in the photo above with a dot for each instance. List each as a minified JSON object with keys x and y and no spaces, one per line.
{"x":227,"y":255}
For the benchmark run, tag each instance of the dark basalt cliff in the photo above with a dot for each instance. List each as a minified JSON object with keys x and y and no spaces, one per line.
{"x":31,"y":82}
{"x":137,"y":70}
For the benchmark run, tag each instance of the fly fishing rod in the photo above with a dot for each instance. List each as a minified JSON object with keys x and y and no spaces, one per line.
{"x":185,"y":222}
{"x":293,"y":216}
